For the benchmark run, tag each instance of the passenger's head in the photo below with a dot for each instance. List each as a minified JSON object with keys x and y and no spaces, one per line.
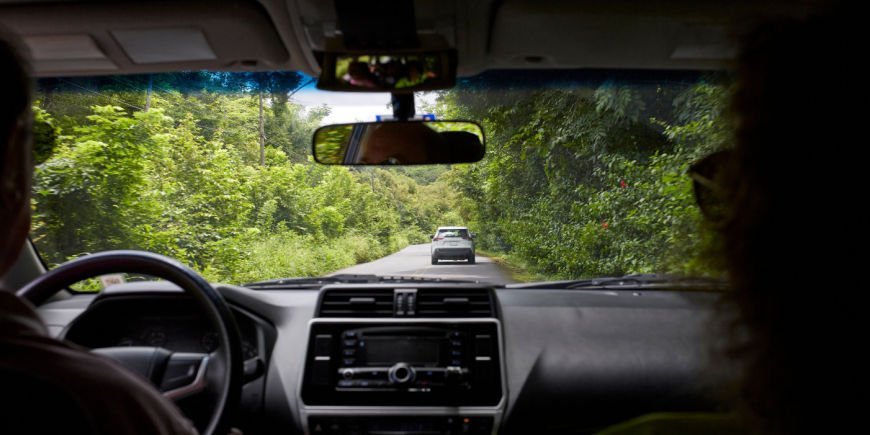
{"x":400,"y":143}
{"x":795,"y":218}
{"x":15,"y":152}
{"x":358,"y":70}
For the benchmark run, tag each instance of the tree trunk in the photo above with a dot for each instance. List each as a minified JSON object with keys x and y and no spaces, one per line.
{"x":262,"y":133}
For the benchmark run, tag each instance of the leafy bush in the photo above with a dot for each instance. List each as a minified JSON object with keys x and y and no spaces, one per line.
{"x":184,"y":179}
{"x":577,"y":183}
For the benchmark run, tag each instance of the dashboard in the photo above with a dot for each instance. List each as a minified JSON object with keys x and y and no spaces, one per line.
{"x":174,"y":323}
{"x":431,"y":358}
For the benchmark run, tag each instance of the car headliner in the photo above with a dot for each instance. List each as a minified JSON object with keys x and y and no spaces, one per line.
{"x":91,"y":38}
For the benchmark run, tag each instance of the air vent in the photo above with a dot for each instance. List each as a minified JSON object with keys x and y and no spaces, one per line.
{"x":357,"y":303}
{"x":454,"y":303}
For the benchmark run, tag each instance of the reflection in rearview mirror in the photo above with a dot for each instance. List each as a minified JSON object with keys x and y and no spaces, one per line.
{"x":387,"y":72}
{"x":399,"y":143}
{"x":373,"y":72}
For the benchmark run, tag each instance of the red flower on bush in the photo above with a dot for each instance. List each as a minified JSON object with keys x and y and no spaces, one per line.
{"x":605,"y":225}
{"x":623,"y":184}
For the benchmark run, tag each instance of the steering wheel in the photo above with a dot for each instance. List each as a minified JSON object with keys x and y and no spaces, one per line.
{"x":217,"y":375}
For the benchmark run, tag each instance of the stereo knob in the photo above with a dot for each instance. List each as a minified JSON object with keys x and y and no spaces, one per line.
{"x":347,"y":374}
{"x":401,"y":373}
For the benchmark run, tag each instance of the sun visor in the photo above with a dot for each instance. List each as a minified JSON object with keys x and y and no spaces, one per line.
{"x":143,"y":37}
{"x":67,"y":52}
{"x":164,"y":45}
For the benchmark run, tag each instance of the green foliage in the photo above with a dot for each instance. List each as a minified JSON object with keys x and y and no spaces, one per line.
{"x":331,"y":142}
{"x":183,"y":179}
{"x":575,"y":183}
{"x":578,"y":183}
{"x":45,"y":135}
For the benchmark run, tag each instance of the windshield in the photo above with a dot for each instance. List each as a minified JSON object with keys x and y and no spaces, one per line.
{"x":584,"y":176}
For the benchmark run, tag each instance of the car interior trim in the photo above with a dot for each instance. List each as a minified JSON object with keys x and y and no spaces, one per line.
{"x":496,"y":412}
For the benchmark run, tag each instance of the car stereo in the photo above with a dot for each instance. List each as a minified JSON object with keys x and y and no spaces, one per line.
{"x":419,"y":364}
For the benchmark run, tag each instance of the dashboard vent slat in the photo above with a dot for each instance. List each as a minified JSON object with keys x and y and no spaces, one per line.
{"x":455,"y":303}
{"x":421,"y":302}
{"x":365,"y":303}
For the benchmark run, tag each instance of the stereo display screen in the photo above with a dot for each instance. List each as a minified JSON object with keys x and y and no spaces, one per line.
{"x":388,"y":350}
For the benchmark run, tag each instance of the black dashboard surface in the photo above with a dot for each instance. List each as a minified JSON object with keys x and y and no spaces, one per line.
{"x":582,"y":360}
{"x":575,"y":361}
{"x":171,"y":322}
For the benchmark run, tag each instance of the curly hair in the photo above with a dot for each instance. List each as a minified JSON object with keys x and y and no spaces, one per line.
{"x":793,"y":177}
{"x":15,"y":86}
{"x":16,"y":91}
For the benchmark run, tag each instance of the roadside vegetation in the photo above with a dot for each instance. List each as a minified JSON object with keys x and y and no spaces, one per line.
{"x":183,"y":171}
{"x":591,"y":181}
{"x":215,"y":170}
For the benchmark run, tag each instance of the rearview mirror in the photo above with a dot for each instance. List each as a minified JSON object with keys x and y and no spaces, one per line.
{"x":399,"y":143}
{"x":350,"y":72}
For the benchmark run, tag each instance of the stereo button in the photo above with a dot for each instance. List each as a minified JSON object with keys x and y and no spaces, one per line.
{"x":483,"y":345}
{"x":320,"y":373}
{"x":401,"y":374}
{"x":322,"y":344}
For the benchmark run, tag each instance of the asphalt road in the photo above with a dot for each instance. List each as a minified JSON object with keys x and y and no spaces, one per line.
{"x":416,"y":261}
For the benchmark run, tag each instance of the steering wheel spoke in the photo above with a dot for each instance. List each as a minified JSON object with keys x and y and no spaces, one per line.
{"x":176,"y":375}
{"x":185,"y":375}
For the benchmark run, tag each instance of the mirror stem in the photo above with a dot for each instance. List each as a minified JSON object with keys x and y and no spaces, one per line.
{"x":403,"y":106}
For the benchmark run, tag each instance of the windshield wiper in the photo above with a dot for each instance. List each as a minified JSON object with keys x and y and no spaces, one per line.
{"x":632,"y":282}
{"x":317,"y":282}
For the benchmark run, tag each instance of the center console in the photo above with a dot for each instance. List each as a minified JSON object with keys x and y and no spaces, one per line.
{"x":404,"y":376}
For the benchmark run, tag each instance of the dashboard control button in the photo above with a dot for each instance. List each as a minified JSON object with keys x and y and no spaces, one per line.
{"x":400,"y":304}
{"x":322,"y":345}
{"x":454,"y":374}
{"x":402,"y":374}
{"x":253,"y":368}
{"x":320,"y":373}
{"x":483,"y":345}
